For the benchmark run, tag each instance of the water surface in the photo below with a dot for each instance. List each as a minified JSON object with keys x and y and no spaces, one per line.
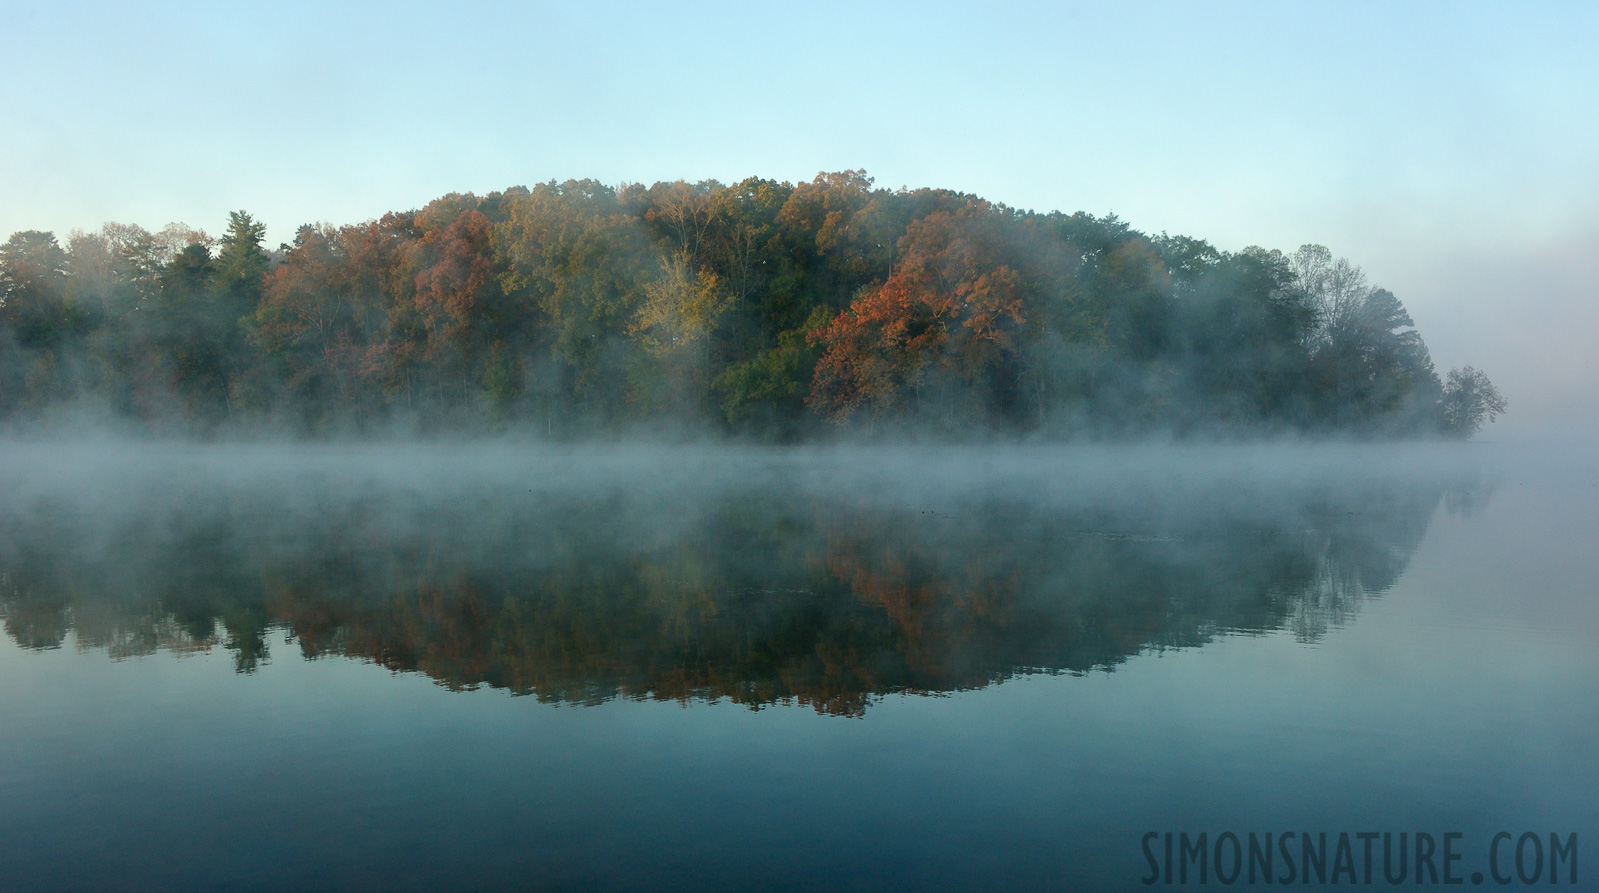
{"x":483,"y":667}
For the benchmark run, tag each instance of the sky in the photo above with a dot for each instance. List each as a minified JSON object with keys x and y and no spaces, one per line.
{"x":1450,"y":149}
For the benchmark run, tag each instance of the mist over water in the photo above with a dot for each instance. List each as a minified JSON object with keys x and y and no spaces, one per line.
{"x":825,"y":577}
{"x":946,"y":666}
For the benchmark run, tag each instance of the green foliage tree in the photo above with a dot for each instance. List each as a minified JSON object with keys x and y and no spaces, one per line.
{"x":1369,"y":365}
{"x":33,"y":275}
{"x":1469,"y":400}
{"x":580,"y":261}
{"x":242,"y":262}
{"x":36,"y":320}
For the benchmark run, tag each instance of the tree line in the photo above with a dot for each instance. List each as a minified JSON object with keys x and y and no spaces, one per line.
{"x":763,"y":308}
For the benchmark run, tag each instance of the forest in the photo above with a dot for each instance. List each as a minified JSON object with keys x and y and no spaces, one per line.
{"x":763,"y":309}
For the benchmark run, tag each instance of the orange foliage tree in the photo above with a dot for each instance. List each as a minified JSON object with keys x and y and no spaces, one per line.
{"x":951,"y":309}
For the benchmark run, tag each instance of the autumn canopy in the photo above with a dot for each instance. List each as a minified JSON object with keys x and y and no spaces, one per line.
{"x":762,"y":308}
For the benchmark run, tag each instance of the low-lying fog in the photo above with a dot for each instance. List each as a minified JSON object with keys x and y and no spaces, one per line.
{"x":824,"y":576}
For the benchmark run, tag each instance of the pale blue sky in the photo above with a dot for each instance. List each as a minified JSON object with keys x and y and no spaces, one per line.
{"x":1451,"y":149}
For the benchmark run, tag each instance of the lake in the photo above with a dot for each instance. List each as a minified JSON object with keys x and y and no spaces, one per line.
{"x":500,"y":666}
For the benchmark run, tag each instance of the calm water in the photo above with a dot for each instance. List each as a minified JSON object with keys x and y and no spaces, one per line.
{"x":481,"y":667}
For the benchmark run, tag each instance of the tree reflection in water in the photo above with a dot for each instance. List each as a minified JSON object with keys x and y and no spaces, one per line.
{"x":758,"y":594}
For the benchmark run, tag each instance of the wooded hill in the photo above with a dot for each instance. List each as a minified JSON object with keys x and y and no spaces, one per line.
{"x":762,"y":308}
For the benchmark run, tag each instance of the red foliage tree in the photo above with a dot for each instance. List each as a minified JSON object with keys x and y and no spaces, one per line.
{"x":951,"y":306}
{"x":455,"y":277}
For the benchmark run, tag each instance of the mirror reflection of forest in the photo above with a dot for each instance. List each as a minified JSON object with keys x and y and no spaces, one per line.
{"x":756,"y":595}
